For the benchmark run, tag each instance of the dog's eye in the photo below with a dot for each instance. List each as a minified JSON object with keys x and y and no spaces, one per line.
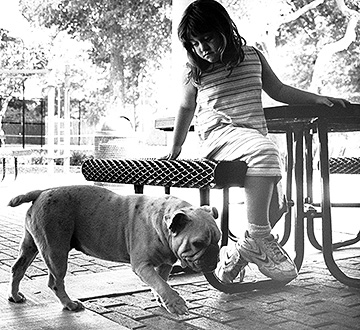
{"x":199,"y":244}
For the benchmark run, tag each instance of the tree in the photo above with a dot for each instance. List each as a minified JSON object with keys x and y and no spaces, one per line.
{"x":349,"y":28}
{"x":311,"y":44}
{"x":15,"y":55}
{"x":125,"y":36}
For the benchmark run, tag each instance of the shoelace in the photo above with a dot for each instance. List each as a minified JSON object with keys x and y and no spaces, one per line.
{"x":274,"y":246}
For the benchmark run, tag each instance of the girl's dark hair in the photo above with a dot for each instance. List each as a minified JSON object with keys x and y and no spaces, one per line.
{"x":208,"y":16}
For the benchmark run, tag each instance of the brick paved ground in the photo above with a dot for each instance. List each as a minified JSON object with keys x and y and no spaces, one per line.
{"x":315,"y":300}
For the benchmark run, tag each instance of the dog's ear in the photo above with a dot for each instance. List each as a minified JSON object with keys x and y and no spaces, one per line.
{"x":212,"y":210}
{"x":177,"y":222}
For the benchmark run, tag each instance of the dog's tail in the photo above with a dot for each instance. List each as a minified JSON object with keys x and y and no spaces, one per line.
{"x":29,"y":197}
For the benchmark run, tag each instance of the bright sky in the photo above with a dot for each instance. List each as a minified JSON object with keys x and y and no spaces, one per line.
{"x":11,"y":19}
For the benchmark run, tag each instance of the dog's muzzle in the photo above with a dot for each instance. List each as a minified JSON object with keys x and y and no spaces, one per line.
{"x":206,"y":261}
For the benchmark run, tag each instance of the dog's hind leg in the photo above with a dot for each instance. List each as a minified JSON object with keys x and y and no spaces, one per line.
{"x":27,"y":253}
{"x":56,"y":262}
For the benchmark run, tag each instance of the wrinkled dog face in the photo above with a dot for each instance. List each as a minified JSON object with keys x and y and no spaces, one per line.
{"x":194,"y":237}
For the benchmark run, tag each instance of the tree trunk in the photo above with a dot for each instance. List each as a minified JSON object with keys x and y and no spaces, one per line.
{"x":117,"y":81}
{"x":269,"y":42}
{"x":325,"y":54}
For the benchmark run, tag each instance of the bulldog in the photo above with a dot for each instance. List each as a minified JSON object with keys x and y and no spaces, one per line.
{"x":150,"y":233}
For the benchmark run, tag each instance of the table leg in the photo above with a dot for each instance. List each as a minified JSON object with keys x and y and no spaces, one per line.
{"x":299,"y":183}
{"x":311,"y":212}
{"x":326,"y":210}
{"x":289,"y":178}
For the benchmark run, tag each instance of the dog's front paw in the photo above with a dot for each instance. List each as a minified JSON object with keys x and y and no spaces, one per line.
{"x":74,"y":306}
{"x":173,"y":303}
{"x":18,"y":298}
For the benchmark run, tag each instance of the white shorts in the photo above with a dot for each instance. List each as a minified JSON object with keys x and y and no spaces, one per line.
{"x":239,"y":143}
{"x":259,"y":152}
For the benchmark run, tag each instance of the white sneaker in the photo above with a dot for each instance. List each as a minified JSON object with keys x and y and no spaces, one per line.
{"x":271,"y":259}
{"x":231,"y":265}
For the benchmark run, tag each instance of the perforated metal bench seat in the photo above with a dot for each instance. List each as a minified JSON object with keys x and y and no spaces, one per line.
{"x":344,"y":165}
{"x":200,"y":173}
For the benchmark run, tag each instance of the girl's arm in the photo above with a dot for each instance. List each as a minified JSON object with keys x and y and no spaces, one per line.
{"x":183,"y":118}
{"x":290,"y":95}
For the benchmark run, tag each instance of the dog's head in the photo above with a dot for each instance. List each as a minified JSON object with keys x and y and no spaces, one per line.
{"x":194,"y":237}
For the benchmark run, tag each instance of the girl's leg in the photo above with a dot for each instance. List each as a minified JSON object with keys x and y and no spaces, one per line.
{"x":258,"y":193}
{"x":259,"y":246}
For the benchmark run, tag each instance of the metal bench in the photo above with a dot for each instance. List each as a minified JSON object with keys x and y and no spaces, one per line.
{"x":201,"y":174}
{"x":15,"y":154}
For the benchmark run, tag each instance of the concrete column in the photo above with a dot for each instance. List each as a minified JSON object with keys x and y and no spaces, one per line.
{"x":66,"y":123}
{"x":50,"y":129}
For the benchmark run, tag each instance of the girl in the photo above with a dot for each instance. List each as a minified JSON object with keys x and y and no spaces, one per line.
{"x":223,"y":83}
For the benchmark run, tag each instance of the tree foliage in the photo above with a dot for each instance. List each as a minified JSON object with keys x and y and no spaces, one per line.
{"x":311,"y":44}
{"x":125,"y":36}
{"x":130,"y":40}
{"x":16,"y":55}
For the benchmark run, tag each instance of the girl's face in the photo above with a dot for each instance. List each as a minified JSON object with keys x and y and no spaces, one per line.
{"x":207,"y":47}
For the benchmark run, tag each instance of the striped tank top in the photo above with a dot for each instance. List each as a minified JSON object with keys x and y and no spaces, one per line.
{"x":234,"y":99}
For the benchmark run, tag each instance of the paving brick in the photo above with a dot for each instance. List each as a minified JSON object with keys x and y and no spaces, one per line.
{"x":162,"y":323}
{"x":205,"y":323}
{"x":136,"y":313}
{"x":188,"y":295}
{"x":219,"y":304}
{"x":145,"y":301}
{"x":124,"y":320}
{"x":74,"y":267}
{"x":214,"y":314}
{"x":301,"y":318}
{"x":93,"y":306}
{"x":255,"y":304}
{"x":110,"y":301}
{"x":4,"y":274}
{"x":251,"y":325}
{"x":161,"y":311}
{"x":267,"y":318}
{"x":291,"y":325}
{"x":341,"y":319}
{"x":194,"y":288}
{"x":33,"y":271}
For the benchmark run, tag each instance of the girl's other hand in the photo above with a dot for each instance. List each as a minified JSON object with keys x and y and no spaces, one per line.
{"x":175,"y":152}
{"x":330,"y":101}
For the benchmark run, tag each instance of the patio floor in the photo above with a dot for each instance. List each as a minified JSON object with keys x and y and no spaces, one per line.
{"x":116,"y":299}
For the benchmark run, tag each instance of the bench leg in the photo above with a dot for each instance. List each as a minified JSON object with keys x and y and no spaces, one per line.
{"x":4,"y":168}
{"x":225,"y":217}
{"x":138,"y":188}
{"x":15,"y":167}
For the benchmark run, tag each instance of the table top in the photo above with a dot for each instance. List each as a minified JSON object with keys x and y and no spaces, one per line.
{"x":280,"y":118}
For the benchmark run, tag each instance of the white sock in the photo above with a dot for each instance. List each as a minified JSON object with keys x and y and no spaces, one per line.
{"x":259,"y":231}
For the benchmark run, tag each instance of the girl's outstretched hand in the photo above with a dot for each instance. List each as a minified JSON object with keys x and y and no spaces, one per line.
{"x":330,"y":101}
{"x":175,"y":152}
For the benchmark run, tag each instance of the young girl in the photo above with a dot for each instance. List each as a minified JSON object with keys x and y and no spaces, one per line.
{"x":223,"y":84}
